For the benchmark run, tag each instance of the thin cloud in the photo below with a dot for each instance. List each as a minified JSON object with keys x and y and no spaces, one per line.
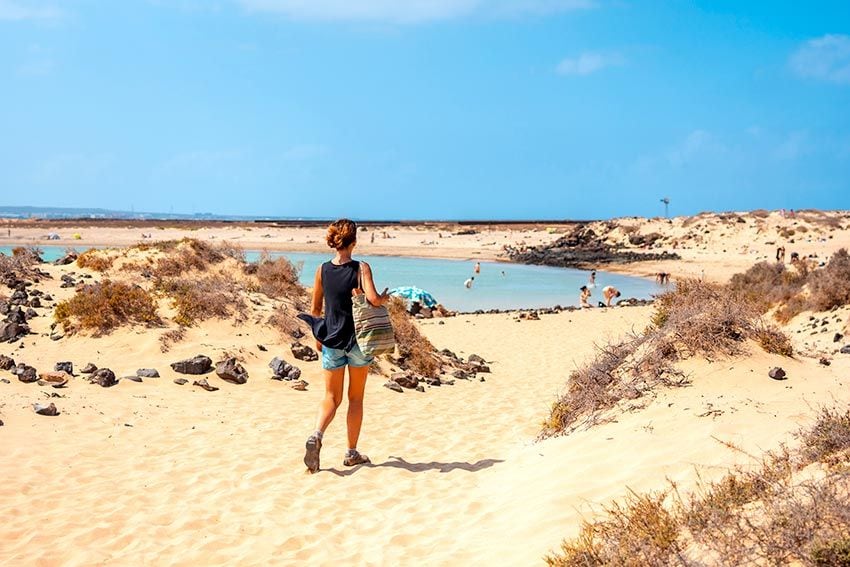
{"x":16,"y":11}
{"x":409,"y":11}
{"x":588,"y":62}
{"x":825,"y":58}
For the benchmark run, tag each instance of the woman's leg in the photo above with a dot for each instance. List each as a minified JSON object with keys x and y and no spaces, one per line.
{"x":333,"y":397}
{"x":356,"y":389}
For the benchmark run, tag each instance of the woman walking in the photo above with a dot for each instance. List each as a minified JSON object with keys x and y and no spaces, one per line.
{"x":335,"y":283}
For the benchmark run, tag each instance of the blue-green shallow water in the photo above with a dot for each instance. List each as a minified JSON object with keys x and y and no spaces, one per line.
{"x":521,"y":286}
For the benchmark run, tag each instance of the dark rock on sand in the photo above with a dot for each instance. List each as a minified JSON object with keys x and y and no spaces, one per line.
{"x":299,"y":385}
{"x":89,"y":368}
{"x":282,"y":370}
{"x":180,"y":381}
{"x":303,"y":352}
{"x":199,"y":365}
{"x":405,"y":380}
{"x":31,"y":313}
{"x":262,"y":348}
{"x":132,"y":378}
{"x":433,"y":381}
{"x":10,"y":332}
{"x":104,"y":378}
{"x":49,"y":410}
{"x":64,"y":367}
{"x":68,"y":258}
{"x":147,"y":372}
{"x":394,"y":386}
{"x":231,"y":371}
{"x":837,"y":337}
{"x":420,"y":388}
{"x":6,"y":363}
{"x":475,"y":359}
{"x":26,"y":374}
{"x":777,"y":373}
{"x":845,"y":349}
{"x":205,"y":385}
{"x":825,"y":361}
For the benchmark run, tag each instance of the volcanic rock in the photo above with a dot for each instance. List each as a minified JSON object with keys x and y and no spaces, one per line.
{"x":303,"y":352}
{"x":89,"y":368}
{"x":26,"y":374}
{"x":299,"y":385}
{"x":392,"y":385}
{"x":205,"y":385}
{"x":49,"y":410}
{"x":405,"y":380}
{"x":845,"y":349}
{"x":6,"y":363}
{"x":56,"y":379}
{"x":199,"y":365}
{"x":180,"y":381}
{"x":231,"y":371}
{"x":104,"y":377}
{"x":133,"y":378}
{"x":147,"y":372}
{"x":10,"y":332}
{"x":64,"y":367}
{"x":777,"y":373}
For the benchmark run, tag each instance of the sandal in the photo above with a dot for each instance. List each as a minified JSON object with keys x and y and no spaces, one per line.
{"x":354,"y":459}
{"x":311,"y":455}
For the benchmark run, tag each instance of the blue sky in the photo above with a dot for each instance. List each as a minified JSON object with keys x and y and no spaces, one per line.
{"x":425,"y":108}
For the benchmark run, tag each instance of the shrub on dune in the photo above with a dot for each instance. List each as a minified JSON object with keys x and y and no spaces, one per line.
{"x":97,"y":260}
{"x":106,"y":305}
{"x":417,"y":351}
{"x":278,"y":278}
{"x":198,"y":299}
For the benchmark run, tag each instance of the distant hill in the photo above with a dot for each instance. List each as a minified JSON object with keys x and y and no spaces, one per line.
{"x":90,"y":213}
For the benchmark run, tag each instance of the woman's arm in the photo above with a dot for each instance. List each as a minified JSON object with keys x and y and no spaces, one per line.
{"x":369,"y":287}
{"x":318,"y":294}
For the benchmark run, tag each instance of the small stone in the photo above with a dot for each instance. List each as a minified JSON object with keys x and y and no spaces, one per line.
{"x":26,"y":374}
{"x":231,"y":371}
{"x":49,"y":410}
{"x":303,"y":352}
{"x":845,"y":349}
{"x":420,"y":388}
{"x":433,"y":381}
{"x":394,"y":386}
{"x":777,"y":373}
{"x":837,"y":337}
{"x":6,"y":362}
{"x":262,"y":348}
{"x":57,"y":379}
{"x":5,"y":380}
{"x":404,"y":380}
{"x":64,"y":367}
{"x":299,"y":385}
{"x":825,"y":361}
{"x":147,"y":372}
{"x":293,"y":374}
{"x":205,"y":385}
{"x":481,"y":379}
{"x":133,"y":378}
{"x":1,"y":423}
{"x":475,"y":359}
{"x":104,"y":377}
{"x":180,"y":381}
{"x":198,"y":365}
{"x":89,"y":368}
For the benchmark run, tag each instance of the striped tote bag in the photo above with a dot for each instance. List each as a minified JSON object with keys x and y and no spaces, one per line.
{"x":372,"y":327}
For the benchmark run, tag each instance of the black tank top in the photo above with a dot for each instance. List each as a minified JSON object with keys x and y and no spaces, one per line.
{"x":336,"y":329}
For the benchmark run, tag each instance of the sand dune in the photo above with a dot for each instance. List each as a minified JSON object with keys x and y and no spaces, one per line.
{"x":159,"y":473}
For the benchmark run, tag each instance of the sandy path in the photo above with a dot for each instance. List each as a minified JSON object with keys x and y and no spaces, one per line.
{"x":158,"y":473}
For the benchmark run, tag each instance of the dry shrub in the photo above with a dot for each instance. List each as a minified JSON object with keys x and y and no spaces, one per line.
{"x":760,"y":213}
{"x":768,"y":283}
{"x":828,"y":439}
{"x":762,"y":516}
{"x":694,"y":319}
{"x":786,"y":232}
{"x":198,"y":299}
{"x":190,"y":254}
{"x":278,"y":278}
{"x":96,"y":260}
{"x":168,"y":338}
{"x":417,"y":352}
{"x":20,"y":264}
{"x":285,"y":323}
{"x":830,"y":286}
{"x":638,"y":532}
{"x":106,"y":305}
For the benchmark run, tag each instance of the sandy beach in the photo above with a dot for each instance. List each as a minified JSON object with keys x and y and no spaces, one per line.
{"x":155,"y":472}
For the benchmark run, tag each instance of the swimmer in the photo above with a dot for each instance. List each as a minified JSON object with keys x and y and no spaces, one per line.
{"x":477,"y":268}
{"x":468,"y":283}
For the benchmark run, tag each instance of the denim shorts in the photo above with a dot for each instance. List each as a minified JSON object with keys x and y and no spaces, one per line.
{"x":333,"y":358}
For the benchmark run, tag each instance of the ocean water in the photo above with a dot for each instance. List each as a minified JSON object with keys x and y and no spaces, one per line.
{"x":498,"y":286}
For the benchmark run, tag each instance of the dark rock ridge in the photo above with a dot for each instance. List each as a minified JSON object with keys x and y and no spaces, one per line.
{"x":583,"y":248}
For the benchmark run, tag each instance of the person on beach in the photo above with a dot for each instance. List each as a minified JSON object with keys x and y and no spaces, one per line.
{"x":609,"y":292}
{"x":468,"y":283}
{"x":336,"y":282}
{"x":477,"y":268}
{"x":585,"y":295}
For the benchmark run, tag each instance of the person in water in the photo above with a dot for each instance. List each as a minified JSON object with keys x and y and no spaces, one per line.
{"x":468,"y":283}
{"x":591,"y":281}
{"x":477,"y":267}
{"x":335,"y":283}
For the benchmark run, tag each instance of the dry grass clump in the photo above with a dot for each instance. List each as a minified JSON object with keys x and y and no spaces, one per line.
{"x":198,"y":299}
{"x":695,"y":319}
{"x":761,"y":516}
{"x":20,"y":264}
{"x":417,"y":352}
{"x":188,"y":254}
{"x":96,"y":260}
{"x":278,"y":278}
{"x":106,"y":305}
{"x":767,"y":284}
{"x":830,"y":286}
{"x":168,"y":338}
